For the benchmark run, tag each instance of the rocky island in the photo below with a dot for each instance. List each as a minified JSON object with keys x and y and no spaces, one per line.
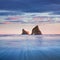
{"x":35,"y":31}
{"x":24,"y":32}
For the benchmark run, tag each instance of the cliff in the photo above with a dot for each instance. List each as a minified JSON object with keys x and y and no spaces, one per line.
{"x":36,"y":31}
{"x":24,"y":32}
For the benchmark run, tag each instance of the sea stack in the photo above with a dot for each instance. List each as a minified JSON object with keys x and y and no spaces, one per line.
{"x":36,"y":31}
{"x":24,"y":32}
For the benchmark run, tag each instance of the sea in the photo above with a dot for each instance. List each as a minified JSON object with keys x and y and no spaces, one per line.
{"x":30,"y":47}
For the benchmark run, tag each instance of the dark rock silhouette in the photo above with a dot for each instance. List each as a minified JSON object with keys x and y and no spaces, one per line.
{"x":36,"y":31}
{"x":24,"y":32}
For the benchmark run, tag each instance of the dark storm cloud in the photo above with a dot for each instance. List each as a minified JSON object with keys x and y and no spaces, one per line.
{"x":56,"y":13}
{"x":5,"y":13}
{"x":30,"y":5}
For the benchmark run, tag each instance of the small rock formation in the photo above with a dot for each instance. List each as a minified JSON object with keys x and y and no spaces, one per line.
{"x":24,"y":32}
{"x":36,"y":31}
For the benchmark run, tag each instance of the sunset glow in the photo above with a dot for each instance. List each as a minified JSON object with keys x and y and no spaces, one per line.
{"x":16,"y":28}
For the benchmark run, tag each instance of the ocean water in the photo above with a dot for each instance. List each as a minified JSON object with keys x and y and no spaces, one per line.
{"x":29,"y":47}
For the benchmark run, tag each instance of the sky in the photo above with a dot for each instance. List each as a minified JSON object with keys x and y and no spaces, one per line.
{"x":16,"y":28}
{"x":29,"y":13}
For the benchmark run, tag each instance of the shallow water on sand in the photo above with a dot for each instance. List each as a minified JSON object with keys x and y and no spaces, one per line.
{"x":30,"y":47}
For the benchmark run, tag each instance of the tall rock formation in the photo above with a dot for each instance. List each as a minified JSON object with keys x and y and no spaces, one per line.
{"x":24,"y":32}
{"x":36,"y":31}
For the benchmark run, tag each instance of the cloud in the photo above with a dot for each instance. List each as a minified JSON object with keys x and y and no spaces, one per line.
{"x":9,"y":12}
{"x":29,"y":11}
{"x":56,"y":13}
{"x":25,"y":17}
{"x":30,"y":5}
